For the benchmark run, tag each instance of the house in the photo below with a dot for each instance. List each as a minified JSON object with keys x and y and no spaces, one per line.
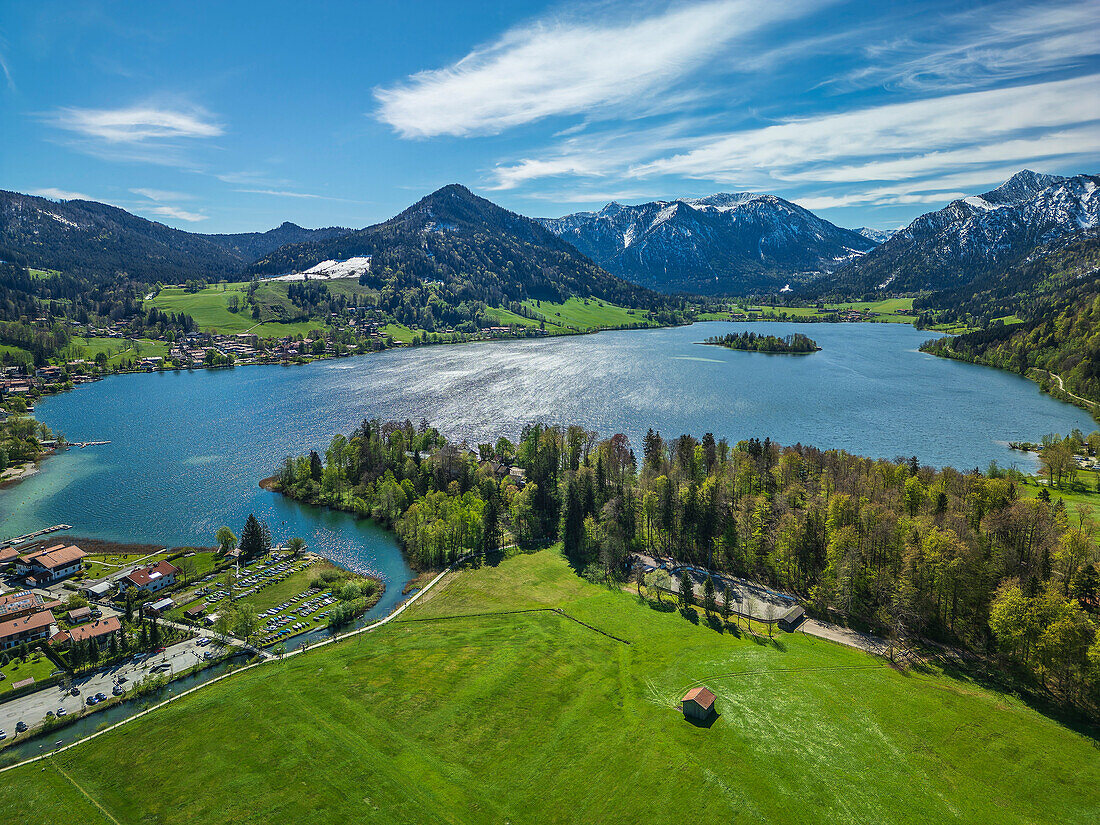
{"x":698,"y":703}
{"x":153,"y":578}
{"x":98,"y":590}
{"x":26,"y":629}
{"x":23,"y":603}
{"x":7,"y":554}
{"x":79,"y":614}
{"x":790,"y":620}
{"x":51,"y":564}
{"x":101,"y":631}
{"x":158,"y":607}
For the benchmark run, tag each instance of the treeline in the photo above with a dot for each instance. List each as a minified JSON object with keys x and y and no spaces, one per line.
{"x":751,"y":342}
{"x":902,"y":549}
{"x":1061,"y":340}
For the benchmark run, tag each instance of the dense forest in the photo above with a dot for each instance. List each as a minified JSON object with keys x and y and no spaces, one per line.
{"x":751,"y":342}
{"x":902,"y":549}
{"x":1062,"y":338}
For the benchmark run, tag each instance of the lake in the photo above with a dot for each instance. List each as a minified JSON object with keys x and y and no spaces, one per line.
{"x":188,"y":448}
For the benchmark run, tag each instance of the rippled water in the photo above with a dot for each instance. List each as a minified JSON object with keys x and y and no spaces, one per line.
{"x":187,"y":449}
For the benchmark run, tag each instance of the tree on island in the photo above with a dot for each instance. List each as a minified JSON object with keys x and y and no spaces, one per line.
{"x":255,"y":538}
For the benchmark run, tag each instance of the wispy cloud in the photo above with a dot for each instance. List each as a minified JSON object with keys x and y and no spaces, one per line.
{"x":964,"y":122}
{"x":138,"y":124}
{"x":572,"y":66}
{"x":166,"y":211}
{"x":56,"y":194}
{"x":1003,"y":42}
{"x":284,"y":193}
{"x":162,"y":195}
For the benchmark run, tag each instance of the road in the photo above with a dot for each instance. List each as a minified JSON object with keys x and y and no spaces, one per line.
{"x":32,"y":708}
{"x":845,"y":636}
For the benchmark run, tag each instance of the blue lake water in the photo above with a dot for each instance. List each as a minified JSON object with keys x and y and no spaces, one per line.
{"x":187,"y":449}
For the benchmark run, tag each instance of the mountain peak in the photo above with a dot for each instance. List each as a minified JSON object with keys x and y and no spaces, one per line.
{"x":1022,"y":186}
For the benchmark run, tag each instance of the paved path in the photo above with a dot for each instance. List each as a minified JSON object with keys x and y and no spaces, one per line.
{"x":401,"y":609}
{"x":846,"y":636}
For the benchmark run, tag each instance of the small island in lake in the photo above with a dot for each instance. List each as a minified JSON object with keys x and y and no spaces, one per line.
{"x":751,"y":342}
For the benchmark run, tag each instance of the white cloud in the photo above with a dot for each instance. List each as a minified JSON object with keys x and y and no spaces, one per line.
{"x":178,"y":214}
{"x":56,"y":194}
{"x":161,"y":195}
{"x":876,"y":197}
{"x":1006,"y":41}
{"x":963,"y":123}
{"x":137,"y":124}
{"x":281,"y":193}
{"x":573,"y":66}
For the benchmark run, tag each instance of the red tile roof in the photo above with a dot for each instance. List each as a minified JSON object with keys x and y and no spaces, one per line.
{"x":36,"y":621}
{"x":58,"y":556}
{"x":142,"y":576}
{"x":102,"y":627}
{"x":701,"y":696}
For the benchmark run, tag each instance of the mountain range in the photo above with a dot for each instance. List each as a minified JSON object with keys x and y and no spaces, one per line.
{"x":482,"y":251}
{"x":971,"y":239}
{"x":725,"y":243}
{"x":98,"y":240}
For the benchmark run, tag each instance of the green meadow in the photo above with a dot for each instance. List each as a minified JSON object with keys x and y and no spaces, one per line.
{"x":462,"y":712}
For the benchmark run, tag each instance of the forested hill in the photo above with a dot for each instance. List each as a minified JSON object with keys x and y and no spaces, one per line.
{"x":478,"y":249}
{"x":1056,"y":297}
{"x":251,"y":246}
{"x":99,"y":241}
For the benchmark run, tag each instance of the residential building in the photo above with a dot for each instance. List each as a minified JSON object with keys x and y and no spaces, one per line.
{"x":30,"y":628}
{"x":24,"y":603}
{"x":101,"y":631}
{"x":153,"y":578}
{"x":51,"y":564}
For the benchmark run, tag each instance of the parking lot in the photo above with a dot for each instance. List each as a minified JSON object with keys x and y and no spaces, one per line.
{"x":32,"y":708}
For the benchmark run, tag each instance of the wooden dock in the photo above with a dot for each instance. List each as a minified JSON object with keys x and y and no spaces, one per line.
{"x":36,"y":534}
{"x":83,"y":444}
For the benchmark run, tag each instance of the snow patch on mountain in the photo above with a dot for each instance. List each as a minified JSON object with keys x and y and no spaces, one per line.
{"x":330,"y":270}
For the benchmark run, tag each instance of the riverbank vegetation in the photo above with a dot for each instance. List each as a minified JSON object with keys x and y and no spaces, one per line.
{"x":892,"y":546}
{"x":751,"y":342}
{"x":22,"y":439}
{"x":1039,"y":319}
{"x":550,"y":709}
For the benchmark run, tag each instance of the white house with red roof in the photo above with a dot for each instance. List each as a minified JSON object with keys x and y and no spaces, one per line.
{"x":151,"y":579}
{"x":51,"y":564}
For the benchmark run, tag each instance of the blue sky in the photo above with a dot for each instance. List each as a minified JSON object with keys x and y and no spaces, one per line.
{"x":225,"y":117}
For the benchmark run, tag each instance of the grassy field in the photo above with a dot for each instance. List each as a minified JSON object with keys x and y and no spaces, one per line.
{"x":1088,"y":500}
{"x":119,"y":348}
{"x":210,"y":309}
{"x":37,"y":666}
{"x":19,"y":354}
{"x":582,"y":314}
{"x":889,"y":310}
{"x":534,"y":717}
{"x":101,"y":564}
{"x":398,"y":332}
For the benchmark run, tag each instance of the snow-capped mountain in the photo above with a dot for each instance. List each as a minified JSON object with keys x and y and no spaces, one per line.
{"x":876,"y":235}
{"x":725,"y":243}
{"x":976,"y":236}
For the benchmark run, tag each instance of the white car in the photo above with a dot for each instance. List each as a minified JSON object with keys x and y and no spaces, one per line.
{"x":3,"y":735}
{"x":61,"y":711}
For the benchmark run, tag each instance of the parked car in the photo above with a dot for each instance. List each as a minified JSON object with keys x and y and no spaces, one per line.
{"x":91,"y":700}
{"x":101,"y":696}
{"x":75,"y":691}
{"x":60,"y":712}
{"x":158,"y":650}
{"x":3,"y":735}
{"x":117,"y":691}
{"x":20,"y":727}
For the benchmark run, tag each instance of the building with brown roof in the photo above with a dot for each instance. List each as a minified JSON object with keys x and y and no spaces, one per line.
{"x":51,"y":564}
{"x":101,"y":631}
{"x":23,"y":603}
{"x":698,"y":703}
{"x":26,"y":629}
{"x":153,"y":578}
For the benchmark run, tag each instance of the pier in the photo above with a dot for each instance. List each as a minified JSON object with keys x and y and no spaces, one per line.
{"x":36,"y":534}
